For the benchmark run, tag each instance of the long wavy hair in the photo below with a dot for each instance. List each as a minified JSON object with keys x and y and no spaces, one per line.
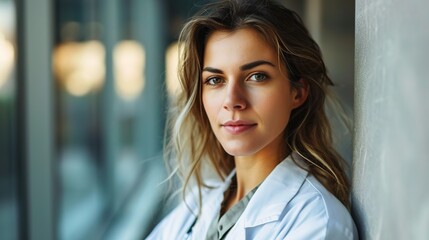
{"x":191,"y":144}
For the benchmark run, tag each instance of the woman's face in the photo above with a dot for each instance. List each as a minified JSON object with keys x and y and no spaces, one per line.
{"x":246,"y":93}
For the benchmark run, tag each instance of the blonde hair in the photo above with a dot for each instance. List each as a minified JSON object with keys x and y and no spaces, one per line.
{"x":191,"y":143}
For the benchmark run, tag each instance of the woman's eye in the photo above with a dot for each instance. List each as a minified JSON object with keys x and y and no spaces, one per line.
{"x":258,"y":77}
{"x":213,"y":81}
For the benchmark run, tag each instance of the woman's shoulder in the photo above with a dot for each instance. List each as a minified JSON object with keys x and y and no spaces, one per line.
{"x":301,"y":207}
{"x":314,"y":207}
{"x":308,"y":192}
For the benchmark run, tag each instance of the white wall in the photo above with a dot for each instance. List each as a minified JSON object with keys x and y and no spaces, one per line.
{"x":391,"y":167}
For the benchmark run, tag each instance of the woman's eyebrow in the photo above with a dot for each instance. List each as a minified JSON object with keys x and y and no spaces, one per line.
{"x":213,"y":70}
{"x":251,"y":65}
{"x":244,"y":67}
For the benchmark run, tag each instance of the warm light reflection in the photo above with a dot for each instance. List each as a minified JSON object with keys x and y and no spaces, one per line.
{"x":129,"y":61}
{"x":7,"y":57}
{"x":172,"y":61}
{"x":80,"y":67}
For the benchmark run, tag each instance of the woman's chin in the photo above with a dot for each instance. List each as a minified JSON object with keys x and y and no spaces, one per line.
{"x":239,"y":152}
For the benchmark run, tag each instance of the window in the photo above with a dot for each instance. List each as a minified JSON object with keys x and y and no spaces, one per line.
{"x":109,"y":117}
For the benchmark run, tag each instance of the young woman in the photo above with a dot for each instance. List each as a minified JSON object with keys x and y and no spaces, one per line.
{"x":252,"y":111}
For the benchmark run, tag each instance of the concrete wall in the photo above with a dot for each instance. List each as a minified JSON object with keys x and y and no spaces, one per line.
{"x":391,"y":166}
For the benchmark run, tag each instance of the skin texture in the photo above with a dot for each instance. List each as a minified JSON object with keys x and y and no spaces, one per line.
{"x":248,"y":100}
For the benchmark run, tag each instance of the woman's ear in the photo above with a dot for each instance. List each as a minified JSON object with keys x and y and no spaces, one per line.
{"x":299,"y":92}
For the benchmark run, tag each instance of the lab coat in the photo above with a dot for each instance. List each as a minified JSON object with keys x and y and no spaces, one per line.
{"x":289,"y":204}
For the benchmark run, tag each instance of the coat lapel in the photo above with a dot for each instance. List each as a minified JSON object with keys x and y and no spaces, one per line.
{"x":212,"y":200}
{"x":271,"y":198}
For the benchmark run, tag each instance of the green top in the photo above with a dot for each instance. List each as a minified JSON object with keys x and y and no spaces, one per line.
{"x":220,"y":227}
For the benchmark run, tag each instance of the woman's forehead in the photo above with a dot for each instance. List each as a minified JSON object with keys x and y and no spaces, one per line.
{"x":239,"y":47}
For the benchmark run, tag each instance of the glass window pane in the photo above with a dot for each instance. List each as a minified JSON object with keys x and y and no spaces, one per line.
{"x":78,"y":64}
{"x":8,"y":177}
{"x":109,"y":121}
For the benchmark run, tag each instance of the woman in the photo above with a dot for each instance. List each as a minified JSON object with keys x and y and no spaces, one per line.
{"x":252,"y":111}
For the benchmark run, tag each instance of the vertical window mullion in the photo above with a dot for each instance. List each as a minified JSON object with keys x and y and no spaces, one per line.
{"x":37,"y":94}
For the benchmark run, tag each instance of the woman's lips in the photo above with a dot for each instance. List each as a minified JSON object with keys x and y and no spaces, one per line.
{"x":237,"y":127}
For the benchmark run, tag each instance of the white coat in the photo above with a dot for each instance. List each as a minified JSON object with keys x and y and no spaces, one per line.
{"x":289,"y":204}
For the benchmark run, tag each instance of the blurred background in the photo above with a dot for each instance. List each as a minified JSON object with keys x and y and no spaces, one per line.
{"x":84,"y":90}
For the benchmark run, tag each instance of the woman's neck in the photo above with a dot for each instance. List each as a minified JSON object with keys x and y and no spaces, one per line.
{"x":251,"y":171}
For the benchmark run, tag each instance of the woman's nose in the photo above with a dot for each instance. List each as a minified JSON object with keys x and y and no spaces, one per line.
{"x":235,"y":97}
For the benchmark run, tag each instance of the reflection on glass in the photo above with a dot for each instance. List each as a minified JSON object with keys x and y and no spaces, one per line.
{"x":80,"y":66}
{"x":172,"y":61}
{"x":129,"y":60}
{"x":7,"y":58}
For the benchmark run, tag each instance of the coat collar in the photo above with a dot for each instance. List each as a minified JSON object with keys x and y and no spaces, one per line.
{"x":266,"y":205}
{"x":281,"y":186}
